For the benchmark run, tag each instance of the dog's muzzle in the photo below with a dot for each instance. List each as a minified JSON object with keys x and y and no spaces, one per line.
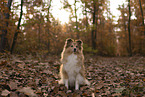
{"x":75,"y":49}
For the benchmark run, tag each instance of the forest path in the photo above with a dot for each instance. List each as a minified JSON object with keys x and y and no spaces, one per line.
{"x":116,"y":76}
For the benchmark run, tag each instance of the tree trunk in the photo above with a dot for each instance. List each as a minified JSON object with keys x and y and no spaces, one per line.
{"x":94,"y":29}
{"x":78,"y":36}
{"x":129,"y":33}
{"x":124,"y":20}
{"x":4,"y":40}
{"x":141,"y":14}
{"x":18,"y":27}
{"x":125,"y":27}
{"x":39,"y":37}
{"x":48,"y":20}
{"x":141,"y":33}
{"x":86,"y":19}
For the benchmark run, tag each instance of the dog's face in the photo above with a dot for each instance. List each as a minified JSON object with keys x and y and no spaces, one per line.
{"x":73,"y":46}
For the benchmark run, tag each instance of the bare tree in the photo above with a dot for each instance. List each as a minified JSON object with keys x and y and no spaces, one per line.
{"x":94,"y":30}
{"x":3,"y":40}
{"x":18,"y":27}
{"x":49,"y":6}
{"x":129,"y":33}
{"x":95,"y":19}
{"x":76,"y":17}
{"x":142,"y":14}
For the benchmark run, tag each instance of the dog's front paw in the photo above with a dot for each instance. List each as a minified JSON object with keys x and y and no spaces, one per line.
{"x":61,"y":81}
{"x":76,"y":85}
{"x":87,"y":82}
{"x":66,"y":83}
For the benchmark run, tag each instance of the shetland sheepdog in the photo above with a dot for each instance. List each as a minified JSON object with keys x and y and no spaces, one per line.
{"x":72,"y":71}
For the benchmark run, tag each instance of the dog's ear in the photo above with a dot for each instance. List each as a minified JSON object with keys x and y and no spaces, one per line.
{"x":80,"y":43}
{"x":68,"y":42}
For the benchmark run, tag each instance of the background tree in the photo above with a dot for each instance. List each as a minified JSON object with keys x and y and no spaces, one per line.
{"x":4,"y":16}
{"x":129,"y":33}
{"x":137,"y":30}
{"x":74,"y":20}
{"x":42,"y":34}
{"x":141,"y":10}
{"x":123,"y":30}
{"x":99,"y":26}
{"x":18,"y":27}
{"x":143,"y":27}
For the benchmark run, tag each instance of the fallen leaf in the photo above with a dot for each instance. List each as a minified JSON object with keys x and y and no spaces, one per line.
{"x":84,"y":94}
{"x":4,"y":62}
{"x":47,"y":72}
{"x":119,"y":90}
{"x":28,"y":91}
{"x":116,"y":94}
{"x":21,"y":66}
{"x":13,"y":94}
{"x":97,"y":91}
{"x":13,"y":85}
{"x":5,"y":92}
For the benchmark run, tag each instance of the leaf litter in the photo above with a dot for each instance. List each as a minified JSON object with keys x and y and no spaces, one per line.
{"x":22,"y":76}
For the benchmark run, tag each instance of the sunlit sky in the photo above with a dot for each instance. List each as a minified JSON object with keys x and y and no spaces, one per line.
{"x":60,"y":13}
{"x":63,"y":15}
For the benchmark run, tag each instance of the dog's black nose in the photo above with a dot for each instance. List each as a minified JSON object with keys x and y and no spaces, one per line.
{"x":75,"y":49}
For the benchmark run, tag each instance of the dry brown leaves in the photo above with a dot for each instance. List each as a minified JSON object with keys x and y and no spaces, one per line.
{"x":22,"y":76}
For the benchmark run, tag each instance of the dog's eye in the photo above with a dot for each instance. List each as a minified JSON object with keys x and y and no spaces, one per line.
{"x":76,"y":46}
{"x":71,"y":45}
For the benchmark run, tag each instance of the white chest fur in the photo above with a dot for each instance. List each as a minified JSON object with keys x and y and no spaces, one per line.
{"x":72,"y":59}
{"x":71,"y":65}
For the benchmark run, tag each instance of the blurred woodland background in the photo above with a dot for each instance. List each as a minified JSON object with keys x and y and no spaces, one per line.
{"x":36,"y":31}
